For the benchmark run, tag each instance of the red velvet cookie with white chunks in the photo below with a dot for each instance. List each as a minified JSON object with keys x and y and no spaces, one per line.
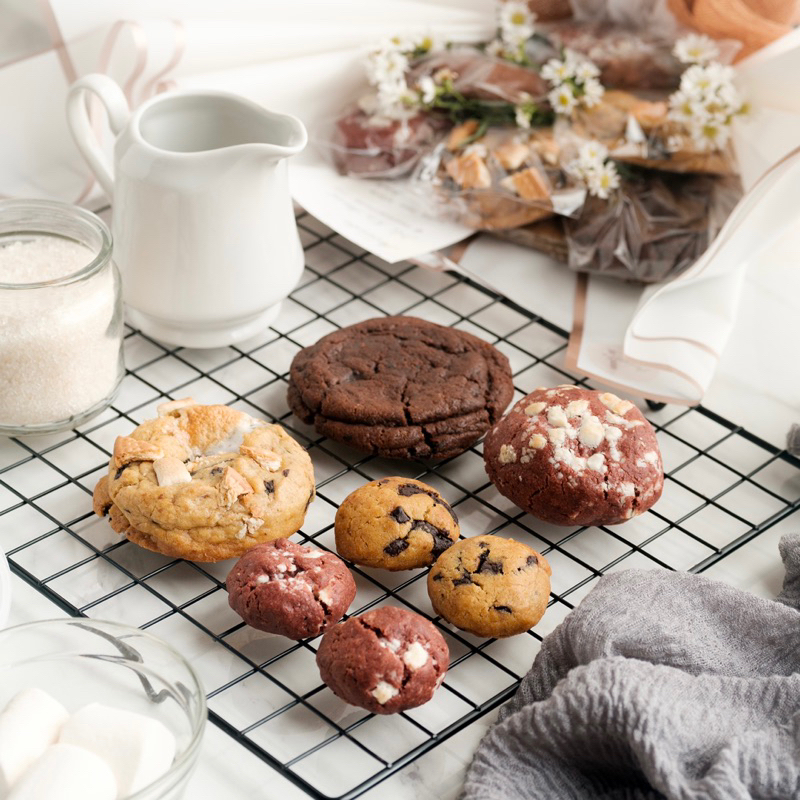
{"x":206,"y":483}
{"x":573,"y":456}
{"x":285,"y":588}
{"x":386,"y":660}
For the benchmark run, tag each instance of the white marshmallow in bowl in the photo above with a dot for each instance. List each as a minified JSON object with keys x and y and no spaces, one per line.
{"x":66,"y":772}
{"x":137,"y":748}
{"x":29,"y":724}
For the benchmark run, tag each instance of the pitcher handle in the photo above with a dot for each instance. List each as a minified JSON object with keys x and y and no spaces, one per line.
{"x":81,"y":128}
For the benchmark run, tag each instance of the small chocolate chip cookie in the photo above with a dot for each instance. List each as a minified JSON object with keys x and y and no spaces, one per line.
{"x":386,"y":660}
{"x":205,"y":483}
{"x":285,"y":588}
{"x":490,"y":586}
{"x":573,"y":456}
{"x":401,"y":387}
{"x":395,"y":523}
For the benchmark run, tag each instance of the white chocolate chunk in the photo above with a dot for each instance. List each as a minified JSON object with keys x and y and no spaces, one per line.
{"x":557,"y":435}
{"x":537,"y":442}
{"x":615,"y":404}
{"x":139,"y":749}
{"x":232,"y":486}
{"x":577,"y":408}
{"x":651,"y":457}
{"x":29,"y":724}
{"x":171,"y":471}
{"x":556,"y":417}
{"x":127,"y":450}
{"x":66,"y":772}
{"x":627,"y":489}
{"x":265,"y":459}
{"x":384,"y":692}
{"x":591,"y":433}
{"x":325,"y":596}
{"x":165,"y":409}
{"x":415,"y":656}
{"x":253,"y":524}
{"x":507,"y":454}
{"x":535,"y":408}
{"x":262,"y":579}
{"x":597,"y":462}
{"x":569,"y":459}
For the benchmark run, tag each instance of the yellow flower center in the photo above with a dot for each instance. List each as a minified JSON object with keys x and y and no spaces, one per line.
{"x":518,"y":18}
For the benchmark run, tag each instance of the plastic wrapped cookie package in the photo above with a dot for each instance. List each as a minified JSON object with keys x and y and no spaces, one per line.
{"x":498,"y":179}
{"x":651,"y":230}
{"x":364,"y":145}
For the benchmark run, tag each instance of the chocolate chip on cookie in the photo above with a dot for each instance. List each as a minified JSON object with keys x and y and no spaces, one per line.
{"x":490,"y":586}
{"x":394,"y":523}
{"x":573,"y":456}
{"x":386,"y":660}
{"x":205,"y":483}
{"x":401,"y":387}
{"x":285,"y":588}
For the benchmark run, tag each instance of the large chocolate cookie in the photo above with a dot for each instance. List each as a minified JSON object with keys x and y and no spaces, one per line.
{"x":395,"y":523}
{"x":573,"y":456}
{"x":401,"y":387}
{"x":386,"y":660}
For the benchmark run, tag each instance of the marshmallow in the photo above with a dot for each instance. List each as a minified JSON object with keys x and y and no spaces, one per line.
{"x":28,"y":725}
{"x":66,"y":772}
{"x":137,"y":748}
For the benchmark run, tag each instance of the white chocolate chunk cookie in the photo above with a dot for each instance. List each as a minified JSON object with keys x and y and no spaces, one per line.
{"x":580,"y":457}
{"x":206,"y":483}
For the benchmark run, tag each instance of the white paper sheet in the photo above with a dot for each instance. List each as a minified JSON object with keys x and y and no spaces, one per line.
{"x":383,"y":217}
{"x":535,"y":281}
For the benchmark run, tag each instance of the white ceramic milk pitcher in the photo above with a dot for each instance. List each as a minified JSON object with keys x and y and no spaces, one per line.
{"x":204,"y":230}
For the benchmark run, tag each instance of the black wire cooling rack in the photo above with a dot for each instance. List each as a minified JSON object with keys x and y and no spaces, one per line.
{"x":724,"y":487}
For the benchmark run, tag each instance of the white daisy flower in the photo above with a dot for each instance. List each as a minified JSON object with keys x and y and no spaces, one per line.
{"x":515,"y":21}
{"x":585,"y":70}
{"x":386,"y":66}
{"x":426,"y":86}
{"x":682,"y":106}
{"x":592,"y":152}
{"x":696,"y":81}
{"x":522,"y":117}
{"x":592,"y":92}
{"x":695,"y":48}
{"x":719,"y":75}
{"x":556,"y":71}
{"x":563,"y":99}
{"x":603,"y":180}
{"x":710,"y":136}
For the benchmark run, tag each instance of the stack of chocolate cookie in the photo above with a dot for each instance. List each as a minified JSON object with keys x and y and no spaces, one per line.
{"x":401,"y":387}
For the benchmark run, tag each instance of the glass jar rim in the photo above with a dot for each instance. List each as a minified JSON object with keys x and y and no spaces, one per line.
{"x":66,"y":211}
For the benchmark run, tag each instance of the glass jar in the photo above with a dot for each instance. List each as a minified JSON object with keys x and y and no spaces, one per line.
{"x":61,"y":317}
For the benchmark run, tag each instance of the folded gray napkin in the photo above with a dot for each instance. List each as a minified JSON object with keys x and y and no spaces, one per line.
{"x":660,"y":684}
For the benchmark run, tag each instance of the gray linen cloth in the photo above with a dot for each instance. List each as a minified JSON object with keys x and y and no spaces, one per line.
{"x":660,"y":684}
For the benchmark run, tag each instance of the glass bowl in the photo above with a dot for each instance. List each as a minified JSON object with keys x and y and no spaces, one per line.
{"x":82,"y":661}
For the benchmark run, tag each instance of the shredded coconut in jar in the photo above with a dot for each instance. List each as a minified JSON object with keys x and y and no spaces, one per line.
{"x":59,"y":345}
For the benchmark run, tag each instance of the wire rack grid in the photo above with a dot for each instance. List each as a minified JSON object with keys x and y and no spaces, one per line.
{"x":724,"y":487}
